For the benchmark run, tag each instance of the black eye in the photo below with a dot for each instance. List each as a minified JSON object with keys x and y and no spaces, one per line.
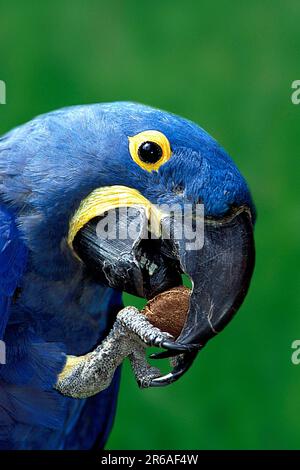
{"x":150,"y":152}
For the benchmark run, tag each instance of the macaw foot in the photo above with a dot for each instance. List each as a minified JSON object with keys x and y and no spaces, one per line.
{"x":131,"y":334}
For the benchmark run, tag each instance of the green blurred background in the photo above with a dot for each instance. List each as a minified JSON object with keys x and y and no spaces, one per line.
{"x":228,"y":65}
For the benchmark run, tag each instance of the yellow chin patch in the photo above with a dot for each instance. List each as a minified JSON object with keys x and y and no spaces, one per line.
{"x":108,"y":198}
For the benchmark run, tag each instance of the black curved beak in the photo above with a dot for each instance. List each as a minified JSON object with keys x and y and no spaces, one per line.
{"x":220,"y":272}
{"x":221,"y":276}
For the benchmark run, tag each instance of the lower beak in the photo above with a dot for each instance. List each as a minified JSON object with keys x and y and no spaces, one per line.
{"x":220,"y":273}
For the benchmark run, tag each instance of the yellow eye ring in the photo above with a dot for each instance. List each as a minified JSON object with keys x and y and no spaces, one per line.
{"x":149,"y":149}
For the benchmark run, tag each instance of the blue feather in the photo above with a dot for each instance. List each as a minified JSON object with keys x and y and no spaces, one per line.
{"x":13,"y":256}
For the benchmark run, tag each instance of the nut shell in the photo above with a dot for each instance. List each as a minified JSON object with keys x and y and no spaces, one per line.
{"x":168,"y":310}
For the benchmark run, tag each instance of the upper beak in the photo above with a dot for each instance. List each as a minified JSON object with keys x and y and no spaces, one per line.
{"x":220,"y":272}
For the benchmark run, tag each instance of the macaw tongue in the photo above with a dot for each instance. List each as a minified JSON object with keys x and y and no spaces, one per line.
{"x":168,"y":310}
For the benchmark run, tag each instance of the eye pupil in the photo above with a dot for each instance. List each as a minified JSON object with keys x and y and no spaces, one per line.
{"x":150,"y":152}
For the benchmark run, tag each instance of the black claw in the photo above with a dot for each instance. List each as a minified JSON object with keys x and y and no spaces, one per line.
{"x":179,"y":347}
{"x":163,"y":355}
{"x":163,"y":380}
{"x":184,"y":363}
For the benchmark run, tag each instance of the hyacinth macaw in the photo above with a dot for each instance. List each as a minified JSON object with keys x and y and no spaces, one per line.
{"x":60,"y":288}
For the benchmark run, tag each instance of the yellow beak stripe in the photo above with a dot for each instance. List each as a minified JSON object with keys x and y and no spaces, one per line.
{"x":108,"y":198}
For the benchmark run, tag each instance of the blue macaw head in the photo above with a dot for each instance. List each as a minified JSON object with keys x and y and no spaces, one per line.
{"x":70,"y":167}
